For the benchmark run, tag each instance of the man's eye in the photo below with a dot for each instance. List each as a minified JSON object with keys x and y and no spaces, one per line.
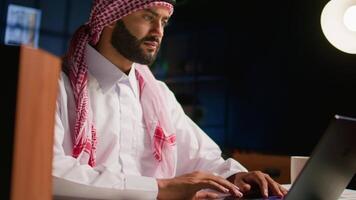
{"x":148,"y":17}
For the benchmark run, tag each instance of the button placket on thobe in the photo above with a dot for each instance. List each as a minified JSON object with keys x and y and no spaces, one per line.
{"x":128,"y":113}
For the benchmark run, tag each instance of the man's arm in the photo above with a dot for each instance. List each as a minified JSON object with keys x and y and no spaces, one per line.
{"x":197,"y":151}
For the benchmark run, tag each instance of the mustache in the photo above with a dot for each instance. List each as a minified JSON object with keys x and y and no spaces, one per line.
{"x":150,"y":39}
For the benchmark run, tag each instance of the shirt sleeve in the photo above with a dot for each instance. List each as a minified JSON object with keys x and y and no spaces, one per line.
{"x":83,"y":181}
{"x":196,"y":150}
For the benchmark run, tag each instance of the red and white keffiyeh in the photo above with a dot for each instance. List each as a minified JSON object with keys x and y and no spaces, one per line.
{"x":104,"y":13}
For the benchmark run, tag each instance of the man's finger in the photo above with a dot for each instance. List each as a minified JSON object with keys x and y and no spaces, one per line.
{"x":232,"y":187}
{"x":275,"y":188}
{"x":213,"y":185}
{"x":284,"y":190}
{"x":205,"y":195}
{"x":244,"y":187}
{"x":258,"y":178}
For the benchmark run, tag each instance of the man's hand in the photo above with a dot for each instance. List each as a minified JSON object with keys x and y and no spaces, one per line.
{"x":188,"y":185}
{"x":250,"y":181}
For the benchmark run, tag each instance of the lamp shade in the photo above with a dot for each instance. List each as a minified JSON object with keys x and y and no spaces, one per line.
{"x":334,"y":27}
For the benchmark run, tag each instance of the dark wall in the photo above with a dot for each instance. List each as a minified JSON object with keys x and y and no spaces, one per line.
{"x":291,"y":80}
{"x":285,"y":81}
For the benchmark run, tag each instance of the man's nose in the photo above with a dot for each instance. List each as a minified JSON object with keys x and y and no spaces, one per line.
{"x":157,"y":29}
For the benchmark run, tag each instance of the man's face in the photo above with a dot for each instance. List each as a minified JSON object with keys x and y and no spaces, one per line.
{"x":138,"y":36}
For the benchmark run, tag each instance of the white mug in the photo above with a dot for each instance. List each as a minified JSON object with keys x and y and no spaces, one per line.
{"x":296,"y":165}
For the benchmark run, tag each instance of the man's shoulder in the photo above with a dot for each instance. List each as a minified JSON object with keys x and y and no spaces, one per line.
{"x":147,"y":70}
{"x":63,"y":76}
{"x":64,"y":84}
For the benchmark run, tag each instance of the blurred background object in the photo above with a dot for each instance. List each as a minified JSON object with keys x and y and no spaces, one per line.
{"x":22,"y":25}
{"x":338,"y":22}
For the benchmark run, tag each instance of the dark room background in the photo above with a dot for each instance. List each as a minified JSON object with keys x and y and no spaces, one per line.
{"x":255,"y":75}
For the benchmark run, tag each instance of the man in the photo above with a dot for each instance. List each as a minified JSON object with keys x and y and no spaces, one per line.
{"x":118,"y":127}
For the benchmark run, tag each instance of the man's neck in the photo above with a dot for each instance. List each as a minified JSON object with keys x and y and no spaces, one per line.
{"x":115,"y":57}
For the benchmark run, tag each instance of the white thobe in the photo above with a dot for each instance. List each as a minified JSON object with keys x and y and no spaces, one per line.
{"x":124,"y":157}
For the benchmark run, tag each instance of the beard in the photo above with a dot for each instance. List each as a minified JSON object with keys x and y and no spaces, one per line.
{"x":130,"y":46}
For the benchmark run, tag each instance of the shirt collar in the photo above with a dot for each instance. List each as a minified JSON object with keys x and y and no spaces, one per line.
{"x":106,"y":73}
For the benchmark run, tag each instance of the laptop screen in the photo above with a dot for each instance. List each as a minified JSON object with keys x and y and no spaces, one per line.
{"x":331,"y":165}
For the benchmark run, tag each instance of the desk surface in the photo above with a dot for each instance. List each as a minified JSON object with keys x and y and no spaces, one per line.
{"x":348,"y":194}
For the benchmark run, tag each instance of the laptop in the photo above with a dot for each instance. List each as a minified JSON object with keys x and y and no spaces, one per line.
{"x":331,"y":165}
